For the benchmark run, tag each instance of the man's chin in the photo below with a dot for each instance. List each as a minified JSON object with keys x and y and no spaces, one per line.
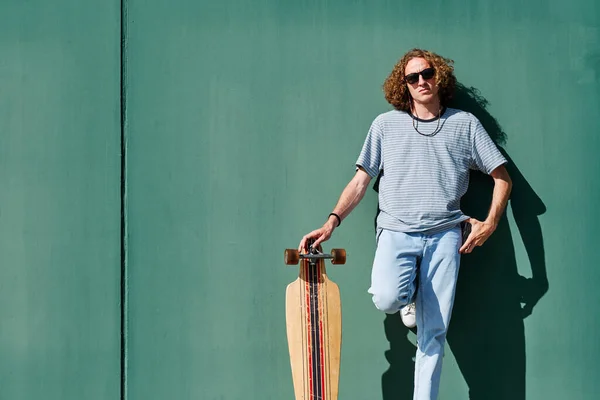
{"x":425,"y":98}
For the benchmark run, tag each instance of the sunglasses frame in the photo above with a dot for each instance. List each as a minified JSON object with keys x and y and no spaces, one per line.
{"x":416,"y":75}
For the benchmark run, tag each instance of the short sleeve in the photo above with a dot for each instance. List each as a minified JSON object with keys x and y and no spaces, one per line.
{"x":370,"y":156}
{"x":485,"y":156}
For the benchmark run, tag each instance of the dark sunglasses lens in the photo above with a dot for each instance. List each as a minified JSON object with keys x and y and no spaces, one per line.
{"x":412,"y":78}
{"x":428,"y":73}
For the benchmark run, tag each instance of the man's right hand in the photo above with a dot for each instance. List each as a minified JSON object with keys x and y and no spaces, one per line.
{"x":320,"y":235}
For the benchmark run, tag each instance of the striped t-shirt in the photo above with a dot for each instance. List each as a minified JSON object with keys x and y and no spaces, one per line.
{"x":424,"y":177}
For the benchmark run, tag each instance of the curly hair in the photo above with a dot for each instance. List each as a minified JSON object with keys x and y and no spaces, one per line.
{"x":395,"y":89}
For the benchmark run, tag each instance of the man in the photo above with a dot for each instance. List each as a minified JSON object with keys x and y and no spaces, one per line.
{"x":422,"y":152}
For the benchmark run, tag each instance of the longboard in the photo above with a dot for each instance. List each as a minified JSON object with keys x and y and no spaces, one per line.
{"x":314,"y":325}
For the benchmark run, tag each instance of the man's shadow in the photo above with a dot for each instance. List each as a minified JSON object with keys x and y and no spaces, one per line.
{"x":486,"y":333}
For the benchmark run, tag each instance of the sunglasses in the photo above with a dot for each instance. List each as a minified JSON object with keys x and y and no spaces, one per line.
{"x":413,"y":78}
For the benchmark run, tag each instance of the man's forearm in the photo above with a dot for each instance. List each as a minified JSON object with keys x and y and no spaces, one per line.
{"x":502,"y":188}
{"x":350,"y":197}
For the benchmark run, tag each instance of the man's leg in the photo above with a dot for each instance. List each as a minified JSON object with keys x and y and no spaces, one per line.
{"x":437,"y":284}
{"x":394,"y":270}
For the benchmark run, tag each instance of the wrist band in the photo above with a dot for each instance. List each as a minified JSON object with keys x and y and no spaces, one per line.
{"x":338,"y":218}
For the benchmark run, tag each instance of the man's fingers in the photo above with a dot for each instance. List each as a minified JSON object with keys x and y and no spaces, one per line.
{"x":466,"y":243}
{"x":320,"y":240}
{"x":467,"y":246}
{"x":324,"y":236}
{"x":313,"y":234}
{"x":316,"y":243}
{"x":320,"y":235}
{"x":302,"y":245}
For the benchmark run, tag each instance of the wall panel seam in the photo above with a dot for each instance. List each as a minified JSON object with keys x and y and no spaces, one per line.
{"x":124,"y":227}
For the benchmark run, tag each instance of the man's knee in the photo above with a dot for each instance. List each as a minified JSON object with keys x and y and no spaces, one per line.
{"x":390,"y":303}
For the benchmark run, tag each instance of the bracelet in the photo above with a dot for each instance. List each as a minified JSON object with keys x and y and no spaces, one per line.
{"x":338,"y":218}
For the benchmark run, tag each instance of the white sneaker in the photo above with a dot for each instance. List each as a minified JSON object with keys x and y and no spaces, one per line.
{"x":409,"y":315}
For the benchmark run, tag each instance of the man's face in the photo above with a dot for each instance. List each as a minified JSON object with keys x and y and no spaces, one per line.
{"x":423,"y":90}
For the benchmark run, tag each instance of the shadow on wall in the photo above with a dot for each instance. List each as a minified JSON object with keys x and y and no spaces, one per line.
{"x":486,"y":334}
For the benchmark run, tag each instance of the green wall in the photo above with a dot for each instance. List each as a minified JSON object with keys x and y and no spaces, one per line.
{"x":243,"y":123}
{"x":60,"y":200}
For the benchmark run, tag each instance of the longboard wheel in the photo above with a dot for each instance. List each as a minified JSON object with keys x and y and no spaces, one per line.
{"x":291,"y":256}
{"x":339,"y":256}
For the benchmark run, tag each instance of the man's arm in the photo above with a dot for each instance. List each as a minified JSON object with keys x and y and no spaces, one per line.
{"x":350,"y":197}
{"x":481,"y":231}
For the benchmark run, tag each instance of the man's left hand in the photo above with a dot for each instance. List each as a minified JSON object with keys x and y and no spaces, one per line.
{"x":480,"y":232}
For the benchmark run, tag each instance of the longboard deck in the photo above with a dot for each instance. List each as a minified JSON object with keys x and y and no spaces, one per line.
{"x":314,"y":330}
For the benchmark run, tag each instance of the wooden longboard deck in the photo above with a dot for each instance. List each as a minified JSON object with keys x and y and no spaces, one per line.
{"x":314,"y":330}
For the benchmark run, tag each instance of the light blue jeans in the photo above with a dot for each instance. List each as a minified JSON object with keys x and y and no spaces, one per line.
{"x":398,"y":258}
